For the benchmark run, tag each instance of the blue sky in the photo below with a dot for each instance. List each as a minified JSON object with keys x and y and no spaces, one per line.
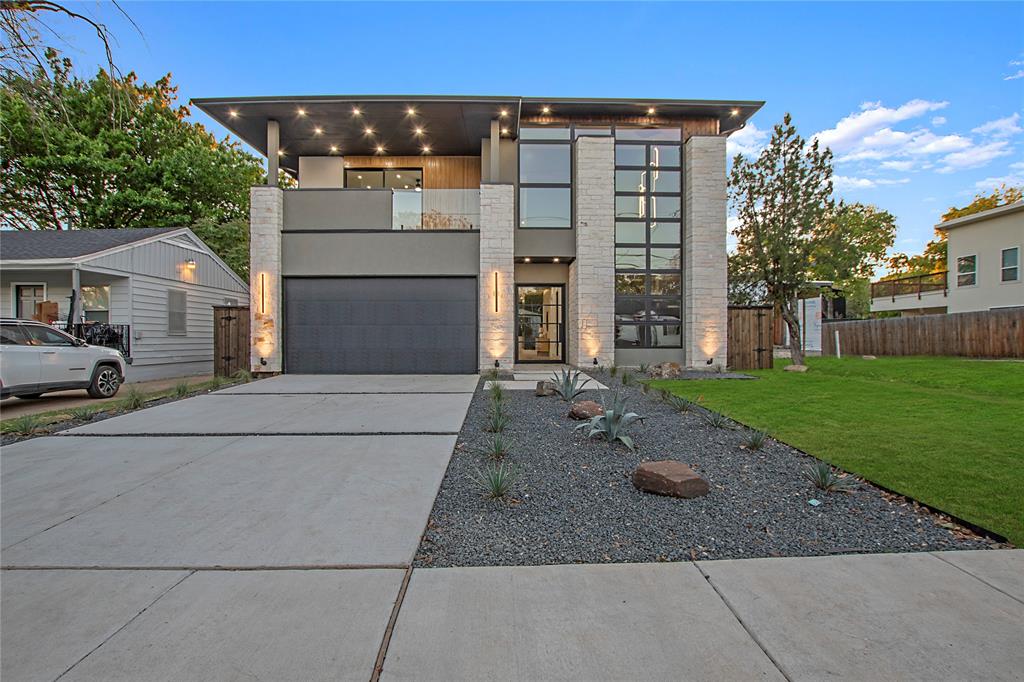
{"x":923,"y":104}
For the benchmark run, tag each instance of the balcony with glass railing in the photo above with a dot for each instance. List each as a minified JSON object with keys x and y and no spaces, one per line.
{"x":381,"y":209}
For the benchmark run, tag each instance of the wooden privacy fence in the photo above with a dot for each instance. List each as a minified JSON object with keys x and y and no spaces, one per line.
{"x":749,"y":337}
{"x":985,"y":334}
{"x":230,"y":339}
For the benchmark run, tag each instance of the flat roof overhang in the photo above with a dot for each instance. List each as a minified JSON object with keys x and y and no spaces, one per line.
{"x":451,"y":125}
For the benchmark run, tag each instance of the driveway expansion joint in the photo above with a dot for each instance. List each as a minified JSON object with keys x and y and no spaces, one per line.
{"x":938,"y":555}
{"x":211,"y":568}
{"x":757,"y":640}
{"x":385,"y":642}
{"x":248,"y":434}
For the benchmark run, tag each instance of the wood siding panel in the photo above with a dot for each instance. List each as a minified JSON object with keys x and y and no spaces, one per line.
{"x":439,"y":172}
{"x":689,"y":126}
{"x":984,"y":334}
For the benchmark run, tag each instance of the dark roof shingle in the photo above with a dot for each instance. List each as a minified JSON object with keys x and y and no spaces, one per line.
{"x":43,"y":244}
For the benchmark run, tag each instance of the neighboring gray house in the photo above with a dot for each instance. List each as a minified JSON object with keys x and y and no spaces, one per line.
{"x":161,"y":283}
{"x":457,"y":234}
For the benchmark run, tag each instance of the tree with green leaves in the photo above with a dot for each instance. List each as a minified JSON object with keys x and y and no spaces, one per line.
{"x":791,"y":232}
{"x":72,"y":161}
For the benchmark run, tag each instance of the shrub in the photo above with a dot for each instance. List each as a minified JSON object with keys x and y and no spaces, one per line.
{"x":612,"y":425}
{"x":717,"y":420}
{"x":567,"y":383}
{"x":25,"y":425}
{"x":182,"y":389}
{"x":497,"y":420}
{"x":133,"y":399}
{"x":754,"y":440}
{"x":82,"y":414}
{"x":497,"y":447}
{"x":825,"y":478}
{"x":495,"y":480}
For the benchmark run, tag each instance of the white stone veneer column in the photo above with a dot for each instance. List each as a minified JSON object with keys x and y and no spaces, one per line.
{"x":591,"y":290}
{"x":266,"y":219}
{"x":705,"y":267}
{"x":497,"y":327}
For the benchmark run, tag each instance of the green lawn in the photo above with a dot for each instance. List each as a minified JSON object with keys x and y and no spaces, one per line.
{"x":945,"y":431}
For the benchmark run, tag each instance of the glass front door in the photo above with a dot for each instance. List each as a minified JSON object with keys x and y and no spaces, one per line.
{"x":540,"y":323}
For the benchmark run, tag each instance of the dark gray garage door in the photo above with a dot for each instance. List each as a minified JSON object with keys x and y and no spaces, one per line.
{"x":408,"y":325}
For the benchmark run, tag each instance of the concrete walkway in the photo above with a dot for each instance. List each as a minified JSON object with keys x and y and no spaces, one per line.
{"x":217,"y":554}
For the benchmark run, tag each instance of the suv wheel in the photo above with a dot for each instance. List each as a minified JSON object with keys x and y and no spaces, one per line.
{"x":105,"y":382}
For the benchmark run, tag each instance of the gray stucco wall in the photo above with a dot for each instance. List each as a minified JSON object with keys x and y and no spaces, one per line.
{"x":380,"y":253}
{"x":542,"y":273}
{"x":337,"y":209}
{"x":545,"y":243}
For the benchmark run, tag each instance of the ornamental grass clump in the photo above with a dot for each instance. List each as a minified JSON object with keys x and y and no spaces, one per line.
{"x":824,"y":477}
{"x":496,"y":393}
{"x":613,"y":424}
{"x":497,"y":419}
{"x":182,"y":389}
{"x":567,"y":384}
{"x":25,"y":425}
{"x":717,"y":420}
{"x":627,"y":379}
{"x":754,"y":440}
{"x":82,"y":414}
{"x":243,"y":376}
{"x":133,"y":399}
{"x":495,"y":480}
{"x":679,"y":403}
{"x":497,"y":447}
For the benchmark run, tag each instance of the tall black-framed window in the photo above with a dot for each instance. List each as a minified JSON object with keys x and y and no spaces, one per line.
{"x":545,"y":178}
{"x":648,"y":243}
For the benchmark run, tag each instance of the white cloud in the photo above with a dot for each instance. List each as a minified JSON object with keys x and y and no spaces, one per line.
{"x":1010,"y":180}
{"x":974,"y":156}
{"x":1001,"y":127}
{"x":843,"y":182}
{"x":1015,"y":76}
{"x":897,"y":165}
{"x":1018,"y":165}
{"x":849,"y":132}
{"x":939,"y":121}
{"x":748,"y":141}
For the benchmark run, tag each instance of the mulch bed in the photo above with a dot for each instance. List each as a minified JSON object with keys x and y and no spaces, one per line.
{"x":574,"y":501}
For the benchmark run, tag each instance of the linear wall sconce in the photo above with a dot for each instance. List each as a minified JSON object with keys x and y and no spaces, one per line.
{"x":495,"y":291}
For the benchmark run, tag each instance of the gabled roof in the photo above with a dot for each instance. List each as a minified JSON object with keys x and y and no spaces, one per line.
{"x":51,"y":244}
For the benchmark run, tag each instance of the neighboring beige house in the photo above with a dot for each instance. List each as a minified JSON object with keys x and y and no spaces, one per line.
{"x":984,"y":256}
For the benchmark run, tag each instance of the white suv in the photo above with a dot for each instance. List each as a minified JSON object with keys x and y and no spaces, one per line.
{"x":35,"y":358}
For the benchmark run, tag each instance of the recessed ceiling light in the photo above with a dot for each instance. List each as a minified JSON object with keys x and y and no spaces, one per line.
{"x":301,"y":112}
{"x":735,"y":112}
{"x":233,"y":114}
{"x":380,"y":149}
{"x":545,"y":110}
{"x":503,"y":113}
{"x":356,"y":111}
{"x":650,"y":111}
{"x":426,"y":149}
{"x":280,"y":152}
{"x":407,"y":186}
{"x":334,"y":148}
{"x":318,"y":131}
{"x":418,"y":131}
{"x":359,"y":177}
{"x":369,"y":130}
{"x":526,"y":260}
{"x":554,"y":260}
{"x":504,"y":131}
{"x":398,"y":175}
{"x":411,"y":111}
{"x":368,"y":187}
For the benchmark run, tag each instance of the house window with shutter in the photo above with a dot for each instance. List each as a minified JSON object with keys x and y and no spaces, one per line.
{"x":177,"y":312}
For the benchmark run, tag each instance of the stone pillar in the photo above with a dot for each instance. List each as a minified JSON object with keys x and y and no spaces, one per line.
{"x":705,"y":265}
{"x":497,"y":276}
{"x":591,"y":290}
{"x":266,"y":211}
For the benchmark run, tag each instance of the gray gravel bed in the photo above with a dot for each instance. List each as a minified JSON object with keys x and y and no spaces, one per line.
{"x":574,"y":501}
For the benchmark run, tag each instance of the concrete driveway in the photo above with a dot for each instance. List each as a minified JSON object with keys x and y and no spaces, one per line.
{"x":264,"y":530}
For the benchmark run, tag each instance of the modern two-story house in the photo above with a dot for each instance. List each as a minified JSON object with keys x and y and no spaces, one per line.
{"x":458,"y":234}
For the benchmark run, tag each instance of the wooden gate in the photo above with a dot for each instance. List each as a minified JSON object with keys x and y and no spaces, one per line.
{"x":750,"y":337}
{"x":230,"y":339}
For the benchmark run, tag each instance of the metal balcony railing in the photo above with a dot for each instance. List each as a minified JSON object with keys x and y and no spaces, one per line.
{"x":912,"y":285}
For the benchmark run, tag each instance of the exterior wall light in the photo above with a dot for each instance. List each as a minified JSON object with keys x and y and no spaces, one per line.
{"x":190,"y":264}
{"x":595,"y":362}
{"x":710,"y":360}
{"x":495,"y":291}
{"x":263,"y":361}
{"x":497,"y":363}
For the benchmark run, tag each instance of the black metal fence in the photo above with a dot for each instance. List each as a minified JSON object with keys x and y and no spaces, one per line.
{"x":116,"y":336}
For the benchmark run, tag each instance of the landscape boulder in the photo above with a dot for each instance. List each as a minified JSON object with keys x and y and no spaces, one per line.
{"x":666,"y":370}
{"x":544,"y":388}
{"x":868,"y":357}
{"x":795,"y":368}
{"x":669,"y":477}
{"x":585,"y":409}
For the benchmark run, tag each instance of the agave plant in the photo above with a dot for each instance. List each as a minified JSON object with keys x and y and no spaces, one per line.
{"x":612,"y":425}
{"x":567,"y":383}
{"x":679,"y":403}
{"x":644,"y":368}
{"x":825,"y":477}
{"x":754,"y":440}
{"x":664,"y":395}
{"x":495,"y":480}
{"x":717,"y":420}
{"x":82,"y":414}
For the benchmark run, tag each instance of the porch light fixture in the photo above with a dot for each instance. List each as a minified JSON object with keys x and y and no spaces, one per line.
{"x":710,"y":360}
{"x":301,"y":112}
{"x":190,"y":264}
{"x":419,"y":187}
{"x":595,"y":362}
{"x":356,"y":111}
{"x":263,"y":361}
{"x":497,"y":363}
